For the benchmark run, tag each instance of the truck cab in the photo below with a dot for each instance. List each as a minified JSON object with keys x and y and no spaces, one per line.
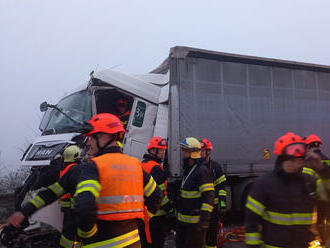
{"x":146,"y":115}
{"x":146,"y":95}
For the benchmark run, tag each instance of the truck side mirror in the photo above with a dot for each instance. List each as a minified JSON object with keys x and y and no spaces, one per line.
{"x":43,"y":107}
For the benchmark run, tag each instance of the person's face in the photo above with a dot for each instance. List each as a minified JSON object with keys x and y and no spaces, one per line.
{"x":313,"y":146}
{"x":92,"y":143}
{"x":185,"y":153}
{"x":203,"y":153}
{"x":122,"y":108}
{"x":161,"y":154}
{"x":91,"y":146}
{"x":293,"y":165}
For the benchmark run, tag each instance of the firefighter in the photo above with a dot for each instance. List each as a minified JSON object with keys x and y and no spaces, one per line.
{"x":63,"y":189}
{"x":313,"y":143}
{"x":219,"y":181}
{"x":123,"y":111}
{"x":152,"y":164}
{"x":196,"y":199}
{"x":112,"y":189}
{"x":280,"y":208}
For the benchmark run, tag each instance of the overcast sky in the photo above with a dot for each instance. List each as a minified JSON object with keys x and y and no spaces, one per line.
{"x":49,"y":47}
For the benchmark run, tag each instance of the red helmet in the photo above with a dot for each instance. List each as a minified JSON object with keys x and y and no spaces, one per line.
{"x":313,"y":138}
{"x":284,"y":144}
{"x":105,"y":123}
{"x":122,"y":101}
{"x":157,"y":142}
{"x":206,"y":144}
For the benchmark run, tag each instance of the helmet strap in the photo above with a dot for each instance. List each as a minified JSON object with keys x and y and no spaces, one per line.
{"x":101,"y":149}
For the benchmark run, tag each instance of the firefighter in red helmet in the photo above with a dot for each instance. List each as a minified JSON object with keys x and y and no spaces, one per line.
{"x":112,"y":189}
{"x":219,"y":181}
{"x":313,"y":143}
{"x":280,"y":209}
{"x":152,"y":164}
{"x":123,"y":111}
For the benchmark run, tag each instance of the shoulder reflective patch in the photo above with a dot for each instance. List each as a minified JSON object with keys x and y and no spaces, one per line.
{"x":255,"y":206}
{"x":150,"y":187}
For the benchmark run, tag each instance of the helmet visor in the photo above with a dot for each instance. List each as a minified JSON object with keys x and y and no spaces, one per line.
{"x":314,"y":145}
{"x":295,"y":150}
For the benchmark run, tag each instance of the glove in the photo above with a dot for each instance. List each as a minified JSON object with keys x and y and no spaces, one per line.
{"x":222,"y":209}
{"x":8,"y":235}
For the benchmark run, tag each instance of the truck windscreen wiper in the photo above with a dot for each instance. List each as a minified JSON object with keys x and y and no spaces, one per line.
{"x":44,"y":106}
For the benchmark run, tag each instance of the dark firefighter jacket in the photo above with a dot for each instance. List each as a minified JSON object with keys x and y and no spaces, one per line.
{"x":65,"y":185}
{"x":94,"y":230}
{"x":154,"y":168}
{"x":281,"y":210}
{"x":196,"y":199}
{"x":219,"y":181}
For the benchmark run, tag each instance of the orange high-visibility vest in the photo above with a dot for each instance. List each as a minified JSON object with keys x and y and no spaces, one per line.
{"x":121,"y":179}
{"x":148,"y":166}
{"x":62,"y":172}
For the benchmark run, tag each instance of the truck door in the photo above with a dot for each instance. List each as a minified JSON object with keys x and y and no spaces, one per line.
{"x":140,"y":127}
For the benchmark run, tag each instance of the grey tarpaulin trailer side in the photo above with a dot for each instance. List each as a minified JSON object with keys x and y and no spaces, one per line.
{"x":242,"y":104}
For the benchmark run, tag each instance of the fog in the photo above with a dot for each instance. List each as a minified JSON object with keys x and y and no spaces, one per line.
{"x":48,"y":48}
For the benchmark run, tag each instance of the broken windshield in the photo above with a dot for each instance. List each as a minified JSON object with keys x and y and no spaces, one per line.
{"x":77,"y":106}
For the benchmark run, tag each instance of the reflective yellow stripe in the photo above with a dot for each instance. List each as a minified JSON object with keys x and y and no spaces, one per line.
{"x":162,"y":212}
{"x":208,"y":246}
{"x":216,"y":201}
{"x":57,"y":189}
{"x":253,"y":238}
{"x":87,"y":234}
{"x":67,"y":243}
{"x":321,"y":190}
{"x":220,"y":180}
{"x":255,"y":206}
{"x":165,"y":200}
{"x":309,"y":171}
{"x":92,"y":186}
{"x":326,"y":162}
{"x":207,"y":207}
{"x":162,"y":186}
{"x":271,"y":246}
{"x":190,"y":194}
{"x":290,"y":219}
{"x":37,"y":201}
{"x":222,"y":192}
{"x":65,"y":204}
{"x":150,"y":187}
{"x":118,"y":242}
{"x":206,"y":187}
{"x":188,"y":218}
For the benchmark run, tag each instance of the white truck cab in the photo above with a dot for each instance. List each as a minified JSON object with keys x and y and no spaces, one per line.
{"x":147,"y":96}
